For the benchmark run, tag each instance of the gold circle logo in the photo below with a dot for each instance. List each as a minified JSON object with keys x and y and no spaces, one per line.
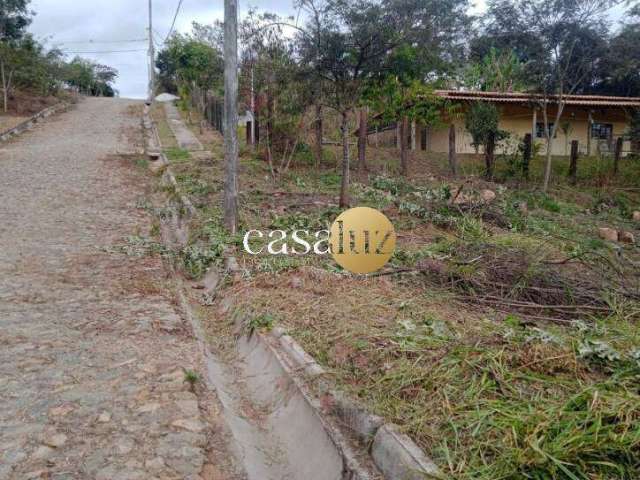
{"x":362,"y":240}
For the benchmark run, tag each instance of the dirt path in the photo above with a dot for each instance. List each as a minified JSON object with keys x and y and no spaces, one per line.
{"x":92,"y":351}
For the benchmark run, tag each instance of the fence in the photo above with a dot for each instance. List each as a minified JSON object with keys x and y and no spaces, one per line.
{"x":210,"y":106}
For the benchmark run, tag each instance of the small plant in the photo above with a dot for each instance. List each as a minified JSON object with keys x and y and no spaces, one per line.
{"x":263,"y":321}
{"x":191,"y":377}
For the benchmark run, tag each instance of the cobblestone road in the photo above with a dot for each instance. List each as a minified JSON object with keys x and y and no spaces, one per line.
{"x":92,"y":351}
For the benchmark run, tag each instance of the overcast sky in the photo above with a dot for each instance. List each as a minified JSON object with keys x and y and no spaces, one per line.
{"x":73,"y":24}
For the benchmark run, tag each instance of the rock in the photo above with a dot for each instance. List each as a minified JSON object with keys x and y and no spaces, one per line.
{"x":188,"y":408}
{"x":105,"y":417}
{"x":608,"y":234}
{"x":487,"y":196}
{"x":523,"y":208}
{"x":124,"y":445}
{"x":36,"y":474}
{"x":626,"y":237}
{"x":57,"y":440}
{"x":149,"y":407}
{"x":296,"y":282}
{"x":191,"y":425}
{"x":42,"y":453}
{"x":636,"y":216}
{"x":154,"y":464}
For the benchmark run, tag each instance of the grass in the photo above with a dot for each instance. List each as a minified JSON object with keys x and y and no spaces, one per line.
{"x":490,"y":393}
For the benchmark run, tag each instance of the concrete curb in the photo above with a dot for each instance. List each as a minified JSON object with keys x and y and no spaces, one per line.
{"x":394,"y":453}
{"x":30,"y":122}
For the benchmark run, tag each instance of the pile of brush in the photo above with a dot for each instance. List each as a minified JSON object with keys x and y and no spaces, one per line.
{"x":514,"y":280}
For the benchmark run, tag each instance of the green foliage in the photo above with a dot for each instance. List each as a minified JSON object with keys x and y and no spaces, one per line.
{"x":481,"y":121}
{"x":500,"y":71}
{"x":196,"y":259}
{"x":186,"y":61}
{"x":263,"y":321}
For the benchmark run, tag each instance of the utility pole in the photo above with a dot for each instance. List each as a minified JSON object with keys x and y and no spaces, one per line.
{"x":231,"y":115}
{"x":152,"y":71}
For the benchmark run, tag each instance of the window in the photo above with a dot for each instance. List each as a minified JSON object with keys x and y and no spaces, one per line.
{"x":540,"y":129}
{"x":601,"y":131}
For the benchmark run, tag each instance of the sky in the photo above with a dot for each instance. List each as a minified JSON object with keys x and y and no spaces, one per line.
{"x":111,"y":26}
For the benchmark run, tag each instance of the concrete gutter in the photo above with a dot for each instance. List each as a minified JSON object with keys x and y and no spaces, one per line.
{"x":30,"y":122}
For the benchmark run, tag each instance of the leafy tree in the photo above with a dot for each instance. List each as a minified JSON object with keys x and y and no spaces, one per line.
{"x":347,"y":47}
{"x":500,"y":71}
{"x":619,"y":68}
{"x":186,"y":62}
{"x":562,"y":42}
{"x":14,"y":19}
{"x":481,"y":121}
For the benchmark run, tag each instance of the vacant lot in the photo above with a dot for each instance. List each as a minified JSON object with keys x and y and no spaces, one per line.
{"x":502,"y":336}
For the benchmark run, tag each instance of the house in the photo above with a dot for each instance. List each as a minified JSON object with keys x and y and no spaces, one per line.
{"x":596,"y":122}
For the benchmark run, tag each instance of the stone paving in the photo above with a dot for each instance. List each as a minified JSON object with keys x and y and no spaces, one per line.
{"x":92,"y":350}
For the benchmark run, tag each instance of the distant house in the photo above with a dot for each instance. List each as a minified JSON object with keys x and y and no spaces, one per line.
{"x":596,"y":122}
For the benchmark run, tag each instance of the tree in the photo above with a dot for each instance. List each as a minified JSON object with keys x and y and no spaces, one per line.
{"x":14,"y":19}
{"x":186,"y":62}
{"x":563,"y":41}
{"x":345,"y":48}
{"x":481,"y":121}
{"x":619,"y":68}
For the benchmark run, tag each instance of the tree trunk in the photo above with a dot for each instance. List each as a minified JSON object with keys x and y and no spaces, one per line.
{"x":453,"y":160}
{"x":404,"y":147}
{"x":550,"y":135}
{"x":318,"y":135}
{"x":362,"y":141}
{"x":344,"y":189}
{"x":489,"y":155}
{"x":573,"y":163}
{"x":231,"y":115}
{"x":270,"y":114}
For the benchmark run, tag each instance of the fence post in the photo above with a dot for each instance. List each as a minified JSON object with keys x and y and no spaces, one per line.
{"x":526,"y":158}
{"x":573,"y":165}
{"x":617,"y":155}
{"x":248,"y":132}
{"x":453,"y":163}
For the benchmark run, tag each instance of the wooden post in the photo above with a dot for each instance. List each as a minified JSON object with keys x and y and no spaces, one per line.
{"x":423,"y":138}
{"x":231,"y":115}
{"x":589,"y":129}
{"x":534,"y":126}
{"x":362,"y":140}
{"x":398,"y":135}
{"x":404,"y":145}
{"x":617,"y":155}
{"x":573,"y":164}
{"x":453,"y":161}
{"x":413,"y":135}
{"x":318,"y":134}
{"x":248,"y":132}
{"x":526,"y":160}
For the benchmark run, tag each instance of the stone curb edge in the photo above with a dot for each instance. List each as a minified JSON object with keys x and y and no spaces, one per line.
{"x":30,"y":122}
{"x":394,"y":453}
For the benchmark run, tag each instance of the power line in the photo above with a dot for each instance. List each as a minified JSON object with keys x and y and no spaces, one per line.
{"x":64,"y":42}
{"x":108,"y":51}
{"x":173,"y":24}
